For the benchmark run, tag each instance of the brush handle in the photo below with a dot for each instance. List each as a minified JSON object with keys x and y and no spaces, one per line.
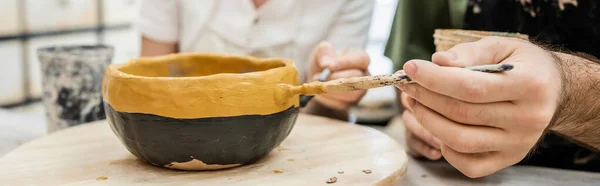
{"x":304,"y":99}
{"x":363,"y":83}
{"x":368,"y":82}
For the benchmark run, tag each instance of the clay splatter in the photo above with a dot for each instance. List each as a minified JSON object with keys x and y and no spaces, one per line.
{"x":291,"y":159}
{"x":277,"y":171}
{"x":101,"y":178}
{"x":367,"y":171}
{"x":282,"y":149}
{"x":340,"y":172}
{"x":331,"y":180}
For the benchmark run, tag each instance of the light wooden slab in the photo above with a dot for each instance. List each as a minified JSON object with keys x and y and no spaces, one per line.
{"x":316,"y":150}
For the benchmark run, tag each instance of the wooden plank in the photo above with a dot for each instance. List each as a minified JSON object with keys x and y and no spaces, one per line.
{"x":316,"y":150}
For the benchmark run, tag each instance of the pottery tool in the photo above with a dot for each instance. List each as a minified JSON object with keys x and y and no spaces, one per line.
{"x":368,"y":82}
{"x":304,"y":99}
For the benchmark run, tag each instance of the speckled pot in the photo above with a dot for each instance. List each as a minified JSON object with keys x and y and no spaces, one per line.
{"x":200,"y":111}
{"x":72,"y":83}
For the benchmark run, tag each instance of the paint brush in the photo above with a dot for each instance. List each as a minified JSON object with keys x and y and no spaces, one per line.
{"x":304,"y":99}
{"x":368,"y":82}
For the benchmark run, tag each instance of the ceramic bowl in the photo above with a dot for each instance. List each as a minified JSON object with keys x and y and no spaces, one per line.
{"x":200,"y":111}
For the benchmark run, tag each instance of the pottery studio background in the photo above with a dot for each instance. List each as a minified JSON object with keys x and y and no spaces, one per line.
{"x":30,"y":24}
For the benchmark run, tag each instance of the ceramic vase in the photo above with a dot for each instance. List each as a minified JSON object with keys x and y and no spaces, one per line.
{"x":71,"y":83}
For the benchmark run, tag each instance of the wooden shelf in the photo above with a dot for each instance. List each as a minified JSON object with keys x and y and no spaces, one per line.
{"x":106,"y":16}
{"x":64,"y":32}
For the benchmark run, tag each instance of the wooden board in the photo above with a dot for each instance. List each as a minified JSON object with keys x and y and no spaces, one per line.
{"x":316,"y":150}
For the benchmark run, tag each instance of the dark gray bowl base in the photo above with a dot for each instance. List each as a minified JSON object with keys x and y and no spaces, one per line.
{"x":220,"y":141}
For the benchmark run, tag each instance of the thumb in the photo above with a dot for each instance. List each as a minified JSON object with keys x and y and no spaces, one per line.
{"x":325,"y":53}
{"x":489,"y":50}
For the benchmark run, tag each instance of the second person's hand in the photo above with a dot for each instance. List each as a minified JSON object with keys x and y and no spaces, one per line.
{"x":353,"y":63}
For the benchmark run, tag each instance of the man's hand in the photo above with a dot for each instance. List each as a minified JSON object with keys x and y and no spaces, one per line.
{"x":419,"y":141}
{"x":485,"y":121}
{"x":349,"y":64}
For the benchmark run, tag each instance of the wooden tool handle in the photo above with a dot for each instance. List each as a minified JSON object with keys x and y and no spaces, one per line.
{"x":363,"y":83}
{"x":368,"y":82}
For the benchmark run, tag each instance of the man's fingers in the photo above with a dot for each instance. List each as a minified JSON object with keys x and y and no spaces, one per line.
{"x":463,"y":84}
{"x":443,"y":77}
{"x":346,"y":74}
{"x":472,"y":165}
{"x":353,"y":60}
{"x":489,"y":50}
{"x":342,"y":99}
{"x":322,"y":55}
{"x":460,"y":137}
{"x":349,"y":98}
{"x":406,"y":100}
{"x":325,"y":61}
{"x":342,"y":74}
{"x":460,"y":111}
{"x":446,"y":58}
{"x":353,"y":96}
{"x":418,"y":131}
{"x":419,"y":148}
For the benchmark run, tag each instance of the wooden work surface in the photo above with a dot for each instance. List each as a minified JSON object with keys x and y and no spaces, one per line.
{"x":423,"y":172}
{"x":316,"y":150}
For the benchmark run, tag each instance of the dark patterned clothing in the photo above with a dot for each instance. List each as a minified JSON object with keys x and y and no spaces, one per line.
{"x":572,"y":24}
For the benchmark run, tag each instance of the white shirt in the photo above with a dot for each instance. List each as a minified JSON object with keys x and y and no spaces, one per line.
{"x":280,"y":28}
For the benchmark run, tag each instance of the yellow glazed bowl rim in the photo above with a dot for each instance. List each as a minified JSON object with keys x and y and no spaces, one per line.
{"x":115,"y":69}
{"x":214,"y":95}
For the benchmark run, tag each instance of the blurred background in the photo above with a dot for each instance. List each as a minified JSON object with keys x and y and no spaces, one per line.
{"x":30,"y":24}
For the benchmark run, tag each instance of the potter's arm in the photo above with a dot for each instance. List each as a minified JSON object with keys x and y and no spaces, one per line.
{"x":578,"y":114}
{"x":153,"y":48}
{"x":159,"y":25}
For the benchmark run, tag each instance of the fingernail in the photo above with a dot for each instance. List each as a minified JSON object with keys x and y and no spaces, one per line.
{"x":434,"y":154}
{"x":410,"y":68}
{"x":399,"y":72}
{"x":450,"y":55}
{"x":325,"y":61}
{"x":333,"y":65}
{"x":402,"y":87}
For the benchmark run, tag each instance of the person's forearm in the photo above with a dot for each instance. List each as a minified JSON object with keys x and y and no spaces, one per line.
{"x":578,"y":114}
{"x":153,"y":48}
